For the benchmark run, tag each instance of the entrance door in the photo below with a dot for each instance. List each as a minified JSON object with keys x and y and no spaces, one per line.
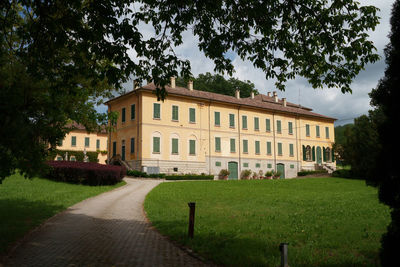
{"x":280,"y":167}
{"x":319,"y":155}
{"x":233,"y":169}
{"x":123,"y":150}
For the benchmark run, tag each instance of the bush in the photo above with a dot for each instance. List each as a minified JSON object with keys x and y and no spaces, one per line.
{"x":88,"y":173}
{"x":136,"y":173}
{"x":344,"y":173}
{"x":189,"y":177}
{"x":305,"y":173}
{"x":245,"y":174}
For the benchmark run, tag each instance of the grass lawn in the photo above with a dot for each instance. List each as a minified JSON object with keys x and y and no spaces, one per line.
{"x":326,"y":221}
{"x":25,"y":203}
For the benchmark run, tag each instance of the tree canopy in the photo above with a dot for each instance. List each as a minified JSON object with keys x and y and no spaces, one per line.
{"x":58,"y":58}
{"x":218,"y":84}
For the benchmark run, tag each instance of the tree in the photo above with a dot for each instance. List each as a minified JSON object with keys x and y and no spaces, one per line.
{"x":59,"y":57}
{"x":218,"y":84}
{"x":385,"y":174}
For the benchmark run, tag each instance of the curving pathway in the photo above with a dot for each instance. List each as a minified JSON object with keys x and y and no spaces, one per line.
{"x":106,"y":230}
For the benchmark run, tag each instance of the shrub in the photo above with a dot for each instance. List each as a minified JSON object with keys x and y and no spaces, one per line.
{"x":344,"y":173}
{"x":269,"y":173}
{"x":88,"y":173}
{"x":136,"y":173}
{"x":305,"y":172}
{"x":245,"y":174}
{"x":223,"y":174}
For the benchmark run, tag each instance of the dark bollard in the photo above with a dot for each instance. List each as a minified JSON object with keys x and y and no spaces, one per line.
{"x":192,"y":206}
{"x":283,"y":247}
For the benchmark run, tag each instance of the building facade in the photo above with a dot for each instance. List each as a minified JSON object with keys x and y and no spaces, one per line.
{"x":201,"y":132}
{"x":78,"y":139}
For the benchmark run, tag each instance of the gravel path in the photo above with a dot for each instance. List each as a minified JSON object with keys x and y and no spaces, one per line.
{"x":106,"y":230}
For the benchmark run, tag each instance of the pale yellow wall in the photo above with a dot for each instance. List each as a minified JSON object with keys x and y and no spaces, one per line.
{"x":80,"y":143}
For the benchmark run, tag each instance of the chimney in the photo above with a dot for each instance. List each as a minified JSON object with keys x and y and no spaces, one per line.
{"x":172,"y":82}
{"x":237,"y":93}
{"x":252,"y":95}
{"x":284,"y":102}
{"x":275,"y":96}
{"x":190,"y":85}
{"x":269,"y":94}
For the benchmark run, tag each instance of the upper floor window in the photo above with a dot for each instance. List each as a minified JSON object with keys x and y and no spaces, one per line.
{"x":290,"y":126}
{"x":87,"y":141}
{"x":317,"y":131}
{"x":245,"y":146}
{"x":233,"y":145}
{"x":307,"y":130}
{"x":123,"y":115}
{"x":257,"y":147}
{"x":156,"y":111}
{"x":217,"y":144}
{"x":175,"y":113}
{"x":244,"y":122}
{"x":98,"y":144}
{"x":73,"y":140}
{"x":232,"y":120}
{"x":133,"y":111}
{"x":267,"y":125}
{"x":278,"y":126}
{"x":256,"y":124}
{"x":217,"y":118}
{"x":192,"y":115}
{"x":327,"y":132}
{"x":175,"y":148}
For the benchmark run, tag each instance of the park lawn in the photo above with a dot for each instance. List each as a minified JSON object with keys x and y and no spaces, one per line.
{"x":326,"y":221}
{"x":26,"y":203}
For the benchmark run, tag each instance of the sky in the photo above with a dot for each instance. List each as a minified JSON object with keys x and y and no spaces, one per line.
{"x":327,"y":101}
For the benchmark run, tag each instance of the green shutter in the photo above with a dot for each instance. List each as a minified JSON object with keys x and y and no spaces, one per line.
{"x":258,"y":165}
{"x":257,"y":147}
{"x":156,"y":111}
{"x":123,"y":115}
{"x":174,"y":146}
{"x":267,"y":125}
{"x":256,"y":124}
{"x":233,"y":148}
{"x":304,"y":153}
{"x":192,"y":147}
{"x":324,"y":154}
{"x":217,"y":118}
{"x":327,"y":132}
{"x":114,"y":148}
{"x":73,"y":141}
{"x":175,"y":113}
{"x":218,"y":144}
{"x":245,"y":146}
{"x":280,"y":149}
{"x":278,"y":126}
{"x":87,"y":142}
{"x":291,"y":150}
{"x":132,"y":145}
{"x":244,"y":122}
{"x":290,"y":124}
{"x":156,"y":144}
{"x":192,"y":115}
{"x":313,"y":153}
{"x":98,"y":144}
{"x":232,"y":120}
{"x":245,"y":164}
{"x":307,"y":130}
{"x":133,"y":112}
{"x":317,"y":131}
{"x":269,"y":150}
{"x":218,"y":163}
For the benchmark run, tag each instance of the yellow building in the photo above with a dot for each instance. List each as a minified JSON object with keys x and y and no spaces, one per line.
{"x":201,"y":132}
{"x":78,"y":139}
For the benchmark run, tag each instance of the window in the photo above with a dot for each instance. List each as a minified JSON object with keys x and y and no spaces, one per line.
{"x":175,"y":113}
{"x":132,"y":145}
{"x":279,"y":149}
{"x":218,"y":163}
{"x":217,"y":144}
{"x":307,"y":130}
{"x":114,"y":151}
{"x":257,"y":147}
{"x":256,"y":124}
{"x":245,"y":165}
{"x":59,"y":158}
{"x":133,"y":111}
{"x":87,"y":141}
{"x":156,"y":144}
{"x":258,"y":165}
{"x":278,"y":126}
{"x":156,"y":111}
{"x":192,"y":147}
{"x":317,"y":131}
{"x":327,"y":132}
{"x":269,"y":165}
{"x":269,"y":150}
{"x":97,"y":143}
{"x":327,"y":154}
{"x":217,"y":118}
{"x":267,"y":125}
{"x":307,"y":153}
{"x":72,"y":158}
{"x":123,"y":115}
{"x":192,"y":115}
{"x":233,"y":148}
{"x":174,"y":142}
{"x":60,"y":142}
{"x":245,"y":146}
{"x":232,"y":120}
{"x":291,"y":150}
{"x":290,"y":126}
{"x":73,"y":140}
{"x":244,"y":122}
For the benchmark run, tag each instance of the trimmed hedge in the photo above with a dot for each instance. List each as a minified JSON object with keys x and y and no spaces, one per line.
{"x":189,"y":177}
{"x":305,"y":173}
{"x":344,"y":173}
{"x":87,"y":173}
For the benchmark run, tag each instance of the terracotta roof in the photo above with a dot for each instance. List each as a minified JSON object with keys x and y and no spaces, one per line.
{"x":77,"y":126}
{"x":259,"y":101}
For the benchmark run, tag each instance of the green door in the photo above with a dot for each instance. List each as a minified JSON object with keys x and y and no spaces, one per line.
{"x":233,"y":169}
{"x":280,"y":167}
{"x":319,"y":155}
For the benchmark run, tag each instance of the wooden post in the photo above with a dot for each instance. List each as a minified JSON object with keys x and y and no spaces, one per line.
{"x":283,"y":247}
{"x":192,"y":206}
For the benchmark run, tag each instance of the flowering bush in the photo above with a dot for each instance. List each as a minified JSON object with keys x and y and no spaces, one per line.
{"x":85,"y":172}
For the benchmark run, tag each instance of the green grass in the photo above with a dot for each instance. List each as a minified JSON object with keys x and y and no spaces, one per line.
{"x":26,"y":203}
{"x":326,"y":221}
